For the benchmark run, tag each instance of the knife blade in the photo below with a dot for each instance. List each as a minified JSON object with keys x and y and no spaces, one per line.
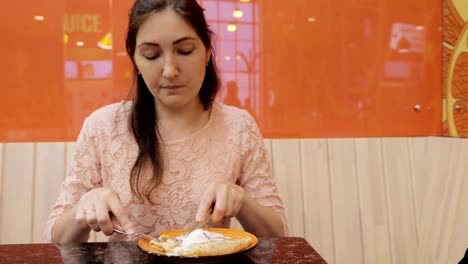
{"x":198,"y":225}
{"x":194,"y":226}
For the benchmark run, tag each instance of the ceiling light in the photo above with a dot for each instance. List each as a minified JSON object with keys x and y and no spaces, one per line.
{"x":39,"y":18}
{"x":232,"y":27}
{"x":237,"y":13}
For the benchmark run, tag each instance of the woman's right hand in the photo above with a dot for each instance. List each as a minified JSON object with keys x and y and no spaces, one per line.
{"x":101,"y":210}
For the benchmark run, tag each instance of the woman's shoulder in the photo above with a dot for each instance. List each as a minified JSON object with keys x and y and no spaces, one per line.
{"x":238,"y":123}
{"x":235,"y":116}
{"x":230,"y":113}
{"x":110,"y":117}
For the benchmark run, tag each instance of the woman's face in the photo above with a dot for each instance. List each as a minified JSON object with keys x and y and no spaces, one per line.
{"x":171,"y":59}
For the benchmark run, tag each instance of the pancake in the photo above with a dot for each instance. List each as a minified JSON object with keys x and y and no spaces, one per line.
{"x":200,"y":243}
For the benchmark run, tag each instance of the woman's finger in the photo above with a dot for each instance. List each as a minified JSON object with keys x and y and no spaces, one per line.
{"x":115,"y":222}
{"x":206,"y":203}
{"x":238,"y":201}
{"x":92,"y":220}
{"x":80,"y":217}
{"x":120,"y":215}
{"x":220,"y":204}
{"x":230,"y":202}
{"x":103,"y":219}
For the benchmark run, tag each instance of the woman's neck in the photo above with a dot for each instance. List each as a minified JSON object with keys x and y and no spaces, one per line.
{"x":175,"y":123}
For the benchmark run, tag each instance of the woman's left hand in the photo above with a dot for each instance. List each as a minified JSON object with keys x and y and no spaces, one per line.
{"x":225,"y":199}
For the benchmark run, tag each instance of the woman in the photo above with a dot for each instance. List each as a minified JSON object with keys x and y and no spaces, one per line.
{"x":172,"y":155}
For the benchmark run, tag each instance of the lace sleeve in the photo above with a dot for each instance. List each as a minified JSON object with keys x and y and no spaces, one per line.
{"x":83,"y":175}
{"x":256,"y":175}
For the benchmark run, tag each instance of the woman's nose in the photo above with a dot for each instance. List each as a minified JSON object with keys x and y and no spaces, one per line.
{"x":170,"y":69}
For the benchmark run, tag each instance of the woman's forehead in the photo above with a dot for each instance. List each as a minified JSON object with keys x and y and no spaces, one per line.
{"x":165,"y":27}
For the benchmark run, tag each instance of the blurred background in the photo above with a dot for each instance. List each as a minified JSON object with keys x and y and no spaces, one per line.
{"x":303,"y":68}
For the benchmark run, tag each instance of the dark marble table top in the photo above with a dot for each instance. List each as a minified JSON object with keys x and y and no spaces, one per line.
{"x":269,"y":250}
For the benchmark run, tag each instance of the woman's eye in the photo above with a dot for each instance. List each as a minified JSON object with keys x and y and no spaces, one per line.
{"x":185,"y":52}
{"x":151,"y":57}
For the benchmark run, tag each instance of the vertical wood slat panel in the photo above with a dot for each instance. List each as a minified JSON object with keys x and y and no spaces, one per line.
{"x":439,"y":189}
{"x":443,"y":199}
{"x":458,"y":243}
{"x":286,"y":167}
{"x":317,"y":201}
{"x":430,"y":211}
{"x":375,"y":229}
{"x":401,"y":209}
{"x":418,"y":160}
{"x":17,"y":193}
{"x":50,"y":161}
{"x":345,"y":201}
{"x":451,"y":202}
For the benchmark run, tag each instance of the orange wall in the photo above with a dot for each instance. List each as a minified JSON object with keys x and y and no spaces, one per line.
{"x":302,"y":68}
{"x":349,"y":73}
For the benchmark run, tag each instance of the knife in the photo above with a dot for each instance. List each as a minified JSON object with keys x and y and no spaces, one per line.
{"x":198,"y":225}
{"x":195,"y":226}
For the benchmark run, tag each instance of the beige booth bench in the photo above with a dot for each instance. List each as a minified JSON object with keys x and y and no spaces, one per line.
{"x":366,"y":200}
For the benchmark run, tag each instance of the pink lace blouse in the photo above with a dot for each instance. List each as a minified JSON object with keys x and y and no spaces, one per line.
{"x":229,"y":148}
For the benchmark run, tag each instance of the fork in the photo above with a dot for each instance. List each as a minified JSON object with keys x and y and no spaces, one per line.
{"x":134,"y":234}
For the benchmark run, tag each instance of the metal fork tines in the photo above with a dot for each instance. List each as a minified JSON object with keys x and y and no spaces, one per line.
{"x":134,"y":234}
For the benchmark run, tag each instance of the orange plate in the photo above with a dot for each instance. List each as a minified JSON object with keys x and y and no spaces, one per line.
{"x":144,"y":245}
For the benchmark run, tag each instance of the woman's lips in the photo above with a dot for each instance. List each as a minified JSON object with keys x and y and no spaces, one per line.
{"x":172,"y":87}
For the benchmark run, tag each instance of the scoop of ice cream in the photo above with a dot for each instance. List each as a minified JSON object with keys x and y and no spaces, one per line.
{"x":198,"y":236}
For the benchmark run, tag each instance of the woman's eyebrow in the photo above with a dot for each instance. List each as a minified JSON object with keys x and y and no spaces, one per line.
{"x":173,"y":43}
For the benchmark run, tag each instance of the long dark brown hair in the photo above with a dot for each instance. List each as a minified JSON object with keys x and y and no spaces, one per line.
{"x":144,"y":120}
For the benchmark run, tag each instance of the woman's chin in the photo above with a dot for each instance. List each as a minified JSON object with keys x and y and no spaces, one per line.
{"x":175,"y":102}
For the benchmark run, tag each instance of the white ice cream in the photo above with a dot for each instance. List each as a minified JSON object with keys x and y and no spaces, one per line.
{"x":198,"y":236}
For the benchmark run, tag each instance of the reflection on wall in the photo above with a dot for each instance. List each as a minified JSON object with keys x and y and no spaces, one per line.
{"x":302,"y":68}
{"x":88,"y":58}
{"x":350,"y":68}
{"x":235,"y":24}
{"x":31,"y":106}
{"x":455,"y":56}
